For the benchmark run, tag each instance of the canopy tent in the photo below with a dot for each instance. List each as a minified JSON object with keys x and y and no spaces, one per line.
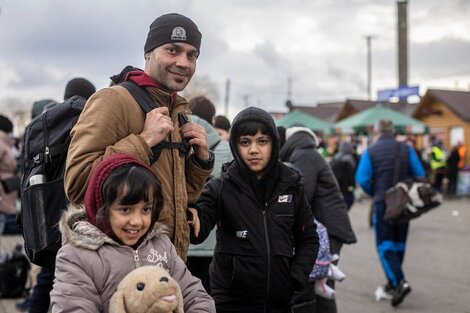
{"x":298,"y":118}
{"x":363,"y":122}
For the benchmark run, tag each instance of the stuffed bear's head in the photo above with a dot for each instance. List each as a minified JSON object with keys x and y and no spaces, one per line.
{"x":147,"y":289}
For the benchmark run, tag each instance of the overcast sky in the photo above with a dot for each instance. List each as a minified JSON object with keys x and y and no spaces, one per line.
{"x":257,"y":44}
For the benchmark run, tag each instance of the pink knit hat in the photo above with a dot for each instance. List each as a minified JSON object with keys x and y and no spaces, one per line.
{"x":93,"y":195}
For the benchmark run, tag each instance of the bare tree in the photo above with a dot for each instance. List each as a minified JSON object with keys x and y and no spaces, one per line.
{"x":201,"y":86}
{"x":19,"y":111}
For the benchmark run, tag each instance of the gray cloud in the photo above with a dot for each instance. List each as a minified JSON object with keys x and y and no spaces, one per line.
{"x":258,"y":45}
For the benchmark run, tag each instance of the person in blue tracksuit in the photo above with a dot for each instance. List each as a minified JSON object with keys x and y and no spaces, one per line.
{"x":375,"y":175}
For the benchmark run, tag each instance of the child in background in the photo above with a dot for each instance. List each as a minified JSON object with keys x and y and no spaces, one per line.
{"x":266,"y":238}
{"x":116,"y":232}
{"x":324,"y":268}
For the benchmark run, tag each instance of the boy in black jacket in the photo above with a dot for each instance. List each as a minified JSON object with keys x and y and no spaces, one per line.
{"x":266,"y":238}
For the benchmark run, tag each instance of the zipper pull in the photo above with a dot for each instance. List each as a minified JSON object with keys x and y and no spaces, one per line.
{"x":47,"y":155}
{"x":136,"y":256}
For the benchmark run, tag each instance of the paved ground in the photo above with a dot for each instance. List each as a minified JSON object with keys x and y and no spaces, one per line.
{"x":437,"y":264}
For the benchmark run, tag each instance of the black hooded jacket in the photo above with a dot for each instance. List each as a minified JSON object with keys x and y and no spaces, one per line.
{"x":321,"y":187}
{"x":264,"y":251}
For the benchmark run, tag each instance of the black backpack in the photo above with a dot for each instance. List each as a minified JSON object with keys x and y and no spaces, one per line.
{"x":14,"y":273}
{"x":46,"y":142}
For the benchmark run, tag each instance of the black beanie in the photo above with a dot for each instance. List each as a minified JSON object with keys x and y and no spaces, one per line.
{"x":5,"y":124}
{"x":172,"y":27}
{"x":79,"y":87}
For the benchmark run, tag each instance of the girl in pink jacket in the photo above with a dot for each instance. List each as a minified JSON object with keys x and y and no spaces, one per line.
{"x":116,"y":232}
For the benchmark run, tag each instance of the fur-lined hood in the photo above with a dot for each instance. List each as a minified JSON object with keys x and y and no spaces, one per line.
{"x":77,"y":231}
{"x":296,"y":129}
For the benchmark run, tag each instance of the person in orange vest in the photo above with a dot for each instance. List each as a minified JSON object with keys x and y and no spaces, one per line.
{"x":462,"y":153}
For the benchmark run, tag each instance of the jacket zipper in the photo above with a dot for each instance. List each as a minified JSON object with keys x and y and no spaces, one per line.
{"x":268,"y":246}
{"x":268,"y":256}
{"x":136,"y":258}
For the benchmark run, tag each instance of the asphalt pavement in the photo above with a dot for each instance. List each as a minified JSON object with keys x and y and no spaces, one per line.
{"x":437,"y":264}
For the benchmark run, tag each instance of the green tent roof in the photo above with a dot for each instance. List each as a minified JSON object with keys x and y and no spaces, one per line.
{"x":298,"y":118}
{"x":364,"y":121}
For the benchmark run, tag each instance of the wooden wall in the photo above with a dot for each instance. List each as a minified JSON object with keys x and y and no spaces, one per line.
{"x":446,"y":121}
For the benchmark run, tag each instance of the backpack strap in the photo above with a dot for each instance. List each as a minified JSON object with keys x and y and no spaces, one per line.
{"x":140,"y":95}
{"x":147,"y":104}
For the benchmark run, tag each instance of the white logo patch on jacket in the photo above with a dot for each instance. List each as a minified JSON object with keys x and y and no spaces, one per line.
{"x":241,"y":234}
{"x":285,"y":199}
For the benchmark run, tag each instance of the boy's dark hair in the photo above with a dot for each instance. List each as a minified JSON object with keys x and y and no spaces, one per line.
{"x":138,"y":183}
{"x":250,"y":128}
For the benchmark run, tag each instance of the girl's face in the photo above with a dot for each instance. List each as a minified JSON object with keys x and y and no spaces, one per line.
{"x":255,"y":151}
{"x":129,"y":222}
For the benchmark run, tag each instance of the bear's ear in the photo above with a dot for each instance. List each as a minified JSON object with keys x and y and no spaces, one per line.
{"x":179,"y":299}
{"x":116,"y":305}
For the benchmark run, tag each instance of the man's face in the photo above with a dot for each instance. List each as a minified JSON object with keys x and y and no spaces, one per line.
{"x":172,"y":65}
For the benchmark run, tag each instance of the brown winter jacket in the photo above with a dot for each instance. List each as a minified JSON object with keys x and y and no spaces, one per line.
{"x":110,"y":123}
{"x":90,"y":265}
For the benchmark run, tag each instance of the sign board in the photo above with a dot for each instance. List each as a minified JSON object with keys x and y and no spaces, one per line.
{"x":402,"y":93}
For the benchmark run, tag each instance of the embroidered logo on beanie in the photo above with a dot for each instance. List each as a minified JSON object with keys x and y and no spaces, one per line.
{"x":178,"y":34}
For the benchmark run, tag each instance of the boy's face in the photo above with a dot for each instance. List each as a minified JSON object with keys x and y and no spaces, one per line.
{"x":255,"y":152}
{"x":129,"y":222}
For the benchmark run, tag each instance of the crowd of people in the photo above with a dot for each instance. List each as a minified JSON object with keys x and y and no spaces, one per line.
{"x":229,"y":209}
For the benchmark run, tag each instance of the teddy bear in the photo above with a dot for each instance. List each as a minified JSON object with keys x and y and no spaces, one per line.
{"x":147,"y":289}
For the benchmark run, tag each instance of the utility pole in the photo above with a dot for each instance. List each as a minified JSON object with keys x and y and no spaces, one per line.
{"x":227,"y":96}
{"x":289,"y":88}
{"x":246,"y":100}
{"x":369,"y":66}
{"x":402,"y":26}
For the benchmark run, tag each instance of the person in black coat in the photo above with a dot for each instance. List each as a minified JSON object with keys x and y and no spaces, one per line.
{"x":343,"y":165}
{"x":323,"y":193}
{"x":453,"y":170}
{"x":266,"y":235}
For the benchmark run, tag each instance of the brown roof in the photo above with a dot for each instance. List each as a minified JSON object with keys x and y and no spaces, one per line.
{"x":457,"y":101}
{"x":338,"y":105}
{"x":334,"y":111}
{"x":361,"y":105}
{"x":324,"y":113}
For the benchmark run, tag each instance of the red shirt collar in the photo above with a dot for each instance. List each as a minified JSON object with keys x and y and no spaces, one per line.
{"x":143,"y":80}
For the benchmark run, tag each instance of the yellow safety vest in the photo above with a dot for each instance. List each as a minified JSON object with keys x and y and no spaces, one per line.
{"x":437,"y":158}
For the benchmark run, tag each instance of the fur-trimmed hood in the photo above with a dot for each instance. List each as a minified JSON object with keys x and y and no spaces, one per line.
{"x":296,"y":129}
{"x":90,"y":265}
{"x":77,"y":231}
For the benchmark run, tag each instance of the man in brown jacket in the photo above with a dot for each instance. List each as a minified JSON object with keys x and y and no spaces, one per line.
{"x":112,"y":122}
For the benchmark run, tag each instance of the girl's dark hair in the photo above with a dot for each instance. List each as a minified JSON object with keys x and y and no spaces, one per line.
{"x":250,"y":128}
{"x":139,"y":184}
